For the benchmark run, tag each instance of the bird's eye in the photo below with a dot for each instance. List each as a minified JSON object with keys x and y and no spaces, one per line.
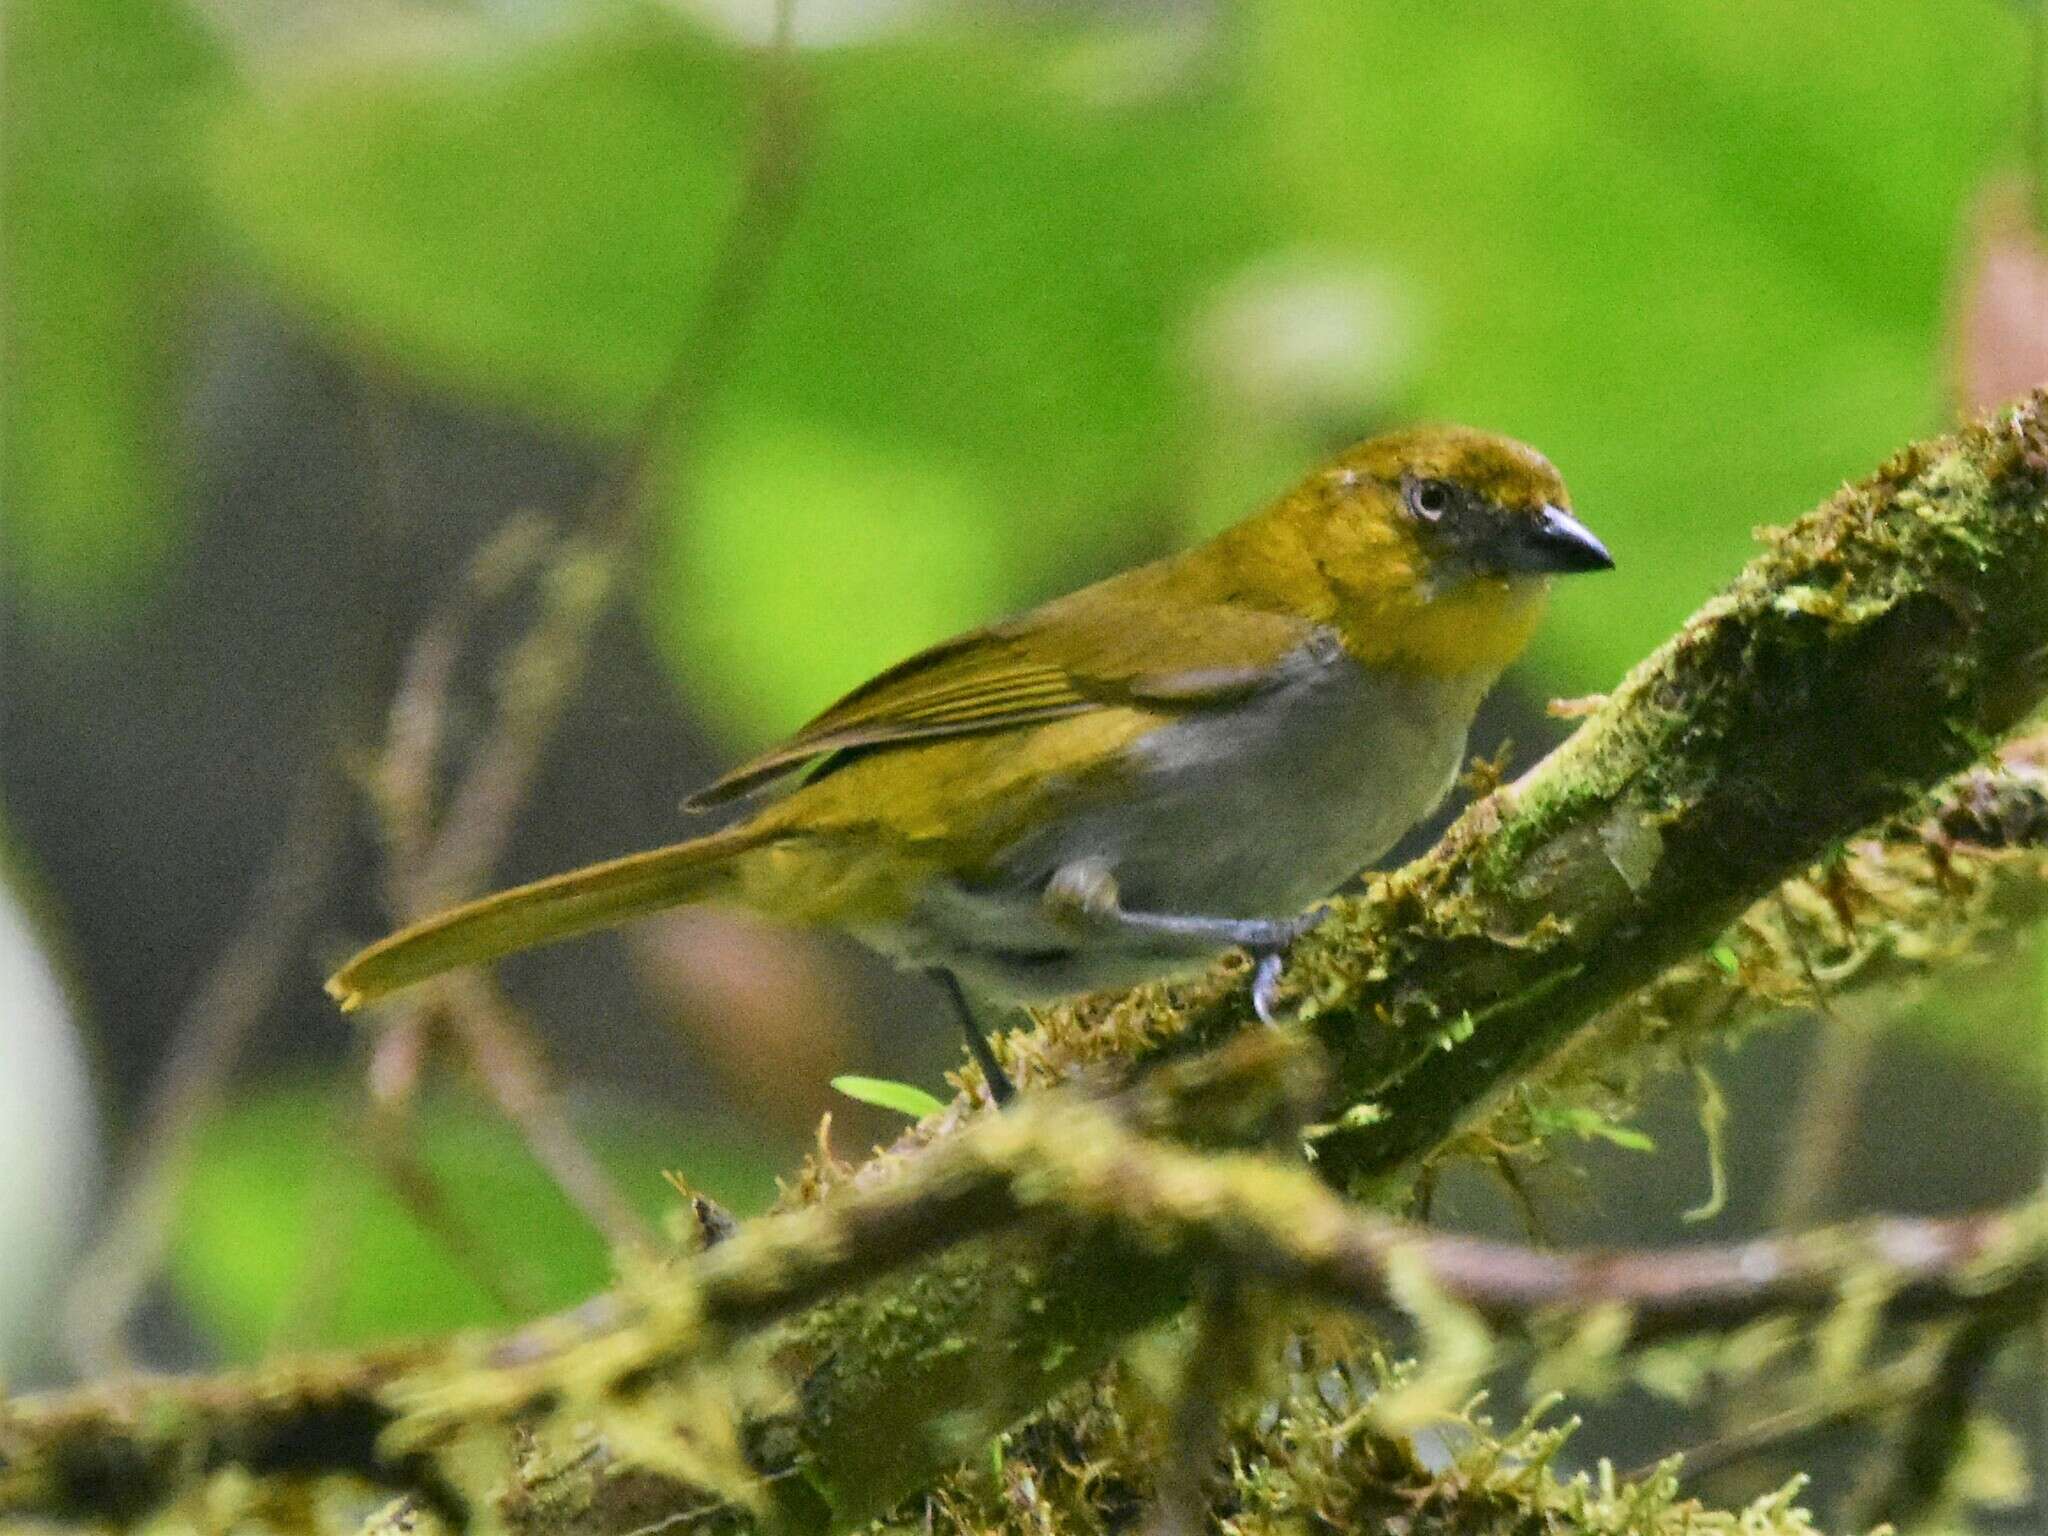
{"x":1430,"y":498}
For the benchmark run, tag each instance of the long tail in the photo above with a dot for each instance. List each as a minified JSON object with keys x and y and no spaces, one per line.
{"x":560,"y":907}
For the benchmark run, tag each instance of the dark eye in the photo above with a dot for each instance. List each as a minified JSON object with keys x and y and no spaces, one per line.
{"x":1430,"y":498}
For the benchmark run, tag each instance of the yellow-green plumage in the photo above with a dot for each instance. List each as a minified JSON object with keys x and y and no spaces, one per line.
{"x":1223,"y":734}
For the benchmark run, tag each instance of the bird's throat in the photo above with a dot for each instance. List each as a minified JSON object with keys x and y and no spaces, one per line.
{"x":1480,"y":626}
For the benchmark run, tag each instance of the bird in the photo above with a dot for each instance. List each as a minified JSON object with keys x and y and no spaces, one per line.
{"x":1123,"y":783}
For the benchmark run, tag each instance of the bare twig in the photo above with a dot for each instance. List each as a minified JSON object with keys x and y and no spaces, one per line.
{"x":1880,"y":1392}
{"x":205,"y":1039}
{"x":734,"y":284}
{"x":1222,"y":1362}
{"x":538,"y":678}
{"x":401,"y":781}
{"x":405,"y":1173}
{"x":500,"y":1046}
{"x":2036,"y":114}
{"x":437,"y":859}
{"x":480,"y":811}
{"x":1914,"y":1472}
{"x":1822,"y":1120}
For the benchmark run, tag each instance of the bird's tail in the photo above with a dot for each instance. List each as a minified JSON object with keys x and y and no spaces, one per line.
{"x":527,"y":916}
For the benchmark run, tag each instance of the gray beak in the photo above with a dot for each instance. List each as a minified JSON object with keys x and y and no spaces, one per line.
{"x":1557,"y":543}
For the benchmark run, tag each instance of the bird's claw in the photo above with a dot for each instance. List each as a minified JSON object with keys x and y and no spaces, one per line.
{"x":1266,"y":985}
{"x":1270,"y":962}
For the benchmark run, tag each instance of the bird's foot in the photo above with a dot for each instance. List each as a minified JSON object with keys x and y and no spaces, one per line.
{"x":1269,"y":959}
{"x":1000,"y":1089}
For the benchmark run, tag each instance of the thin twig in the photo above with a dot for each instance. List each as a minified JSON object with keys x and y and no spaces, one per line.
{"x":732,"y":288}
{"x":397,"y":1159}
{"x":205,"y":1039}
{"x":398,"y":1062}
{"x":1898,"y":1381}
{"x":2037,"y":112}
{"x":500,"y":1046}
{"x":539,"y":676}
{"x":1914,"y":1472}
{"x":1222,"y":1362}
{"x":308,"y":1306}
{"x":1823,"y":1116}
{"x":434,"y":860}
{"x":402,"y":780}
{"x":481,"y":809}
{"x":1823,"y":1120}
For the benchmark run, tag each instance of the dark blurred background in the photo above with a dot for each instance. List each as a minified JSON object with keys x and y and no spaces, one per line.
{"x":308,"y":303}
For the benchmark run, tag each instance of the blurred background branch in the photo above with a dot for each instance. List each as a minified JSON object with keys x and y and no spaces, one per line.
{"x":439,"y":852}
{"x":208,"y":1033}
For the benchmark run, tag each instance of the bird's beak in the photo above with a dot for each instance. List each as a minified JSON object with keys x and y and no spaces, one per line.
{"x":1556,"y":543}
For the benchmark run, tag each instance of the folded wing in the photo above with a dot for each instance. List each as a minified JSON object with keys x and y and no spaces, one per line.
{"x":1100,"y":648}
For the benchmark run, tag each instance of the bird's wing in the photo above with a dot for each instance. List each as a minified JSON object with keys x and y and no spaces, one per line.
{"x":1063,"y":659}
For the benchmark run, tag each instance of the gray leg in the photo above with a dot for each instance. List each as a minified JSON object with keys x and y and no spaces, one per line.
{"x":1085,"y":893}
{"x":1000,"y":1088}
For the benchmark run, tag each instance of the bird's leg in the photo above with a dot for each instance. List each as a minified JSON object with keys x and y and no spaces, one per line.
{"x":1000,"y":1088}
{"x":1085,"y":893}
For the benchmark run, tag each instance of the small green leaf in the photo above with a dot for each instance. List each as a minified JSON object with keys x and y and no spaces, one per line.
{"x":1723,"y":956}
{"x":904,"y":1098}
{"x":1588,"y":1125}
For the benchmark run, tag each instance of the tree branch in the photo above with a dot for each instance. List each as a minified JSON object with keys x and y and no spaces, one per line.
{"x":1059,"y":1166}
{"x":1878,"y":645}
{"x":1871,"y":651}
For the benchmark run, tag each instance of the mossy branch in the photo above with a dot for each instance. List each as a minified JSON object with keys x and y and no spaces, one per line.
{"x":1060,"y":1167}
{"x":1875,"y":648}
{"x":1880,"y":644}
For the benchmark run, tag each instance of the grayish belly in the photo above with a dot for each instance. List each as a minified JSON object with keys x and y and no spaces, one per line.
{"x":1252,"y":811}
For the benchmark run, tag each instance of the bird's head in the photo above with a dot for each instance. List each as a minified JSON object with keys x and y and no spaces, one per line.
{"x":1438,"y":543}
{"x":1465,"y":504}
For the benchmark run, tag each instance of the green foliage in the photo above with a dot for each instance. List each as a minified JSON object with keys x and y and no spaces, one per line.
{"x":285,"y":1223}
{"x":805,"y":564}
{"x":904,"y":1098}
{"x":95,"y":246}
{"x":1697,"y":253}
{"x":959,"y":360}
{"x":524,"y":223}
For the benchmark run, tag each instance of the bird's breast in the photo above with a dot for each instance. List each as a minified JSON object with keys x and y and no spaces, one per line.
{"x":1257,"y":809}
{"x":1254,"y":810}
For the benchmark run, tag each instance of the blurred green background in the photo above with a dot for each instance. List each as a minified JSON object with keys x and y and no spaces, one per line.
{"x":304,"y":300}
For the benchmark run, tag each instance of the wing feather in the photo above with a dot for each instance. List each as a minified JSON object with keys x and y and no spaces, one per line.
{"x":1098,"y":649}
